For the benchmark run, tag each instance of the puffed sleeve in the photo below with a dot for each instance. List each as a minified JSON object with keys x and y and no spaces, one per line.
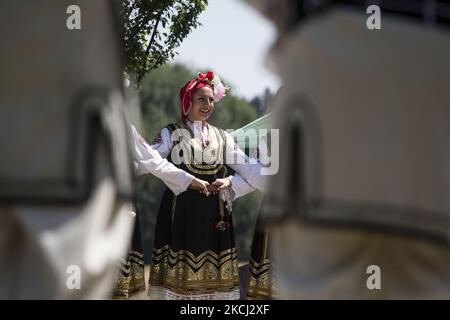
{"x":240,"y":186}
{"x":162,"y":143}
{"x":248,"y":169}
{"x":150,"y":159}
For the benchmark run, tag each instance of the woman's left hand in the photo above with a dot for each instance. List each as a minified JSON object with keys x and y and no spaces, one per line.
{"x":220,"y":184}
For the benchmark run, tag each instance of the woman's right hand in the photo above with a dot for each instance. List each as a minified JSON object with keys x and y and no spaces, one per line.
{"x":200,"y":185}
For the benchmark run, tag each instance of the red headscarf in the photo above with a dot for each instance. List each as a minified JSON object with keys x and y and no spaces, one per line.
{"x":189,"y":88}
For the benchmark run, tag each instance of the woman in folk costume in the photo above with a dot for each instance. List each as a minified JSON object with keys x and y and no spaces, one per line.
{"x":194,"y":255}
{"x":129,"y":275}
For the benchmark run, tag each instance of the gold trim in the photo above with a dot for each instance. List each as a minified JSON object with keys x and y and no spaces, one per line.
{"x":261,"y":282}
{"x":261,"y":271}
{"x":196,"y":265}
{"x":190,"y":254}
{"x":260,"y":287}
{"x":205,"y":166}
{"x":133,"y":280}
{"x":209,"y":278}
{"x":190,"y":167}
{"x":259,"y":264}
{"x":124,"y":269}
{"x":137,"y":260}
{"x":195,"y":262}
{"x":208,"y":274}
{"x":259,"y":268}
{"x":139,"y":254}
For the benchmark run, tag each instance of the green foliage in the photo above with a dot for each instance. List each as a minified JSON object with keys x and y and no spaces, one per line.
{"x":154,"y":29}
{"x":232,"y":113}
{"x":261,"y":103}
{"x":159,"y":95}
{"x":160,"y":105}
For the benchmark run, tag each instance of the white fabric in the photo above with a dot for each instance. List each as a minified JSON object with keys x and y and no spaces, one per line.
{"x":149,"y":159}
{"x":43,"y":249}
{"x":235,"y":158}
{"x":166,"y":294}
{"x":379,"y":112}
{"x":48,"y":97}
{"x":240,"y":186}
{"x":347,"y":71}
{"x":246,"y":167}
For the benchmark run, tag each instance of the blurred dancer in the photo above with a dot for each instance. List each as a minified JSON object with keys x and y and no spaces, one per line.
{"x":361,"y":207}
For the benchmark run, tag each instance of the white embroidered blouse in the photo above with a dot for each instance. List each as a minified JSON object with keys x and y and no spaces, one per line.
{"x":150,"y":158}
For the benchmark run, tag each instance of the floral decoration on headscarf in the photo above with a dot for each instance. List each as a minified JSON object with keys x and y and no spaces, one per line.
{"x":203,"y":79}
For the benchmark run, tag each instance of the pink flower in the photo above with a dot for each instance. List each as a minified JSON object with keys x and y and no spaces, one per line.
{"x":219,"y":89}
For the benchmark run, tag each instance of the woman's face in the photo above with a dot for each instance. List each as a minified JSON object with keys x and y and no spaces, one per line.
{"x":202,"y":104}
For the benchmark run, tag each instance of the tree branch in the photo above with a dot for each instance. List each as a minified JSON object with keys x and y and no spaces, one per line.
{"x":152,"y":38}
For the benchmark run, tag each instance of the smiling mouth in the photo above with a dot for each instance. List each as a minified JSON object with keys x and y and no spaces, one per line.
{"x":205,"y":112}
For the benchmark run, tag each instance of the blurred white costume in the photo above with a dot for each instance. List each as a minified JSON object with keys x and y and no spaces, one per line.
{"x":365,"y":173}
{"x":65,"y":169}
